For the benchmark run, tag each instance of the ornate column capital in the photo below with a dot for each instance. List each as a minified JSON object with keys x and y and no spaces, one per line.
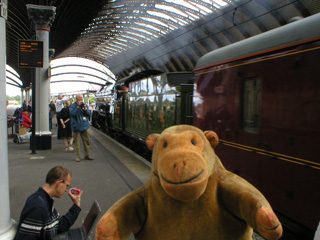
{"x":42,"y":16}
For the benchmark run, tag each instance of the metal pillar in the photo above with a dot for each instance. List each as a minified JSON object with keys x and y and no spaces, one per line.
{"x":28,"y":94}
{"x":42,"y":17}
{"x":22,"y":96}
{"x":7,"y":225}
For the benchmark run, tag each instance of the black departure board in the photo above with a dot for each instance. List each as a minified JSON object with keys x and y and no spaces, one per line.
{"x":30,"y":53}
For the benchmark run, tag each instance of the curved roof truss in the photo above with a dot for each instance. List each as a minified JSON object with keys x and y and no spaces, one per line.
{"x":123,"y":24}
{"x":131,"y":35}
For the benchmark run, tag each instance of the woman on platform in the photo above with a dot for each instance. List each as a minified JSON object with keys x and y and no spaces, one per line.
{"x":66,"y":131}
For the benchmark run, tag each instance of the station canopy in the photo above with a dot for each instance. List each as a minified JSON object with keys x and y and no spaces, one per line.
{"x":122,"y":25}
{"x":127,"y":36}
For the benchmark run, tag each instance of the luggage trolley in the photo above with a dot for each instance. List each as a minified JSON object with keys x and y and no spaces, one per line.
{"x":10,"y":124}
{"x":21,"y":133}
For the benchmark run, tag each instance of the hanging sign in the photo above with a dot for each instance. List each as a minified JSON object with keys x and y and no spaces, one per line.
{"x":4,"y":9}
{"x":30,"y":53}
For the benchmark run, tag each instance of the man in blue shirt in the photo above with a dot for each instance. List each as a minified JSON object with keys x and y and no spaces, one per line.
{"x":80,"y":114}
{"x":39,"y":219}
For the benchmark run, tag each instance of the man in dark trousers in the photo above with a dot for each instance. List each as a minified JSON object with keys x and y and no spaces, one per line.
{"x":24,"y":105}
{"x":29,"y":107}
{"x":39,"y":219}
{"x":80,"y":114}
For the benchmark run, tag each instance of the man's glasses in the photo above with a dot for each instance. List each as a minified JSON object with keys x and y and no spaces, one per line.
{"x":67,"y":186}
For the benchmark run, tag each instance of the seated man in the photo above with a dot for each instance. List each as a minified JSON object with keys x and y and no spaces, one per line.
{"x":18,"y":114}
{"x":26,"y":121}
{"x":39,"y":219}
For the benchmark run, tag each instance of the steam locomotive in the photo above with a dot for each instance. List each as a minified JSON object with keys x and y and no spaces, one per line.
{"x":261,"y":96}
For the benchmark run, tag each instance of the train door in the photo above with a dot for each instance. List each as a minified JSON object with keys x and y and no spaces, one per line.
{"x":186,"y":109}
{"x":250,"y":130}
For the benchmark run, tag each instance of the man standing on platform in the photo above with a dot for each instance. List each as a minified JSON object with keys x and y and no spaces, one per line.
{"x":29,"y":107}
{"x":24,"y":105}
{"x":80,"y":114}
{"x":39,"y":219}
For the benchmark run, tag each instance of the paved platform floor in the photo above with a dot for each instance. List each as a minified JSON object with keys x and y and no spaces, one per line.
{"x":114,"y":172}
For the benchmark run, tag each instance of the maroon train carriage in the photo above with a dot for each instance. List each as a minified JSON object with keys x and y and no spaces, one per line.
{"x":262,"y":97}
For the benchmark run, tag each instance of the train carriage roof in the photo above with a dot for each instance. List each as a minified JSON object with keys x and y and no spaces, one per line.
{"x":290,"y":34}
{"x":138,"y":76}
{"x":173,"y":78}
{"x":178,"y":78}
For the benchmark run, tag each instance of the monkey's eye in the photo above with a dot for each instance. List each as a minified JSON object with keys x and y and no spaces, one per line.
{"x":193,"y":142}
{"x":165,"y":144}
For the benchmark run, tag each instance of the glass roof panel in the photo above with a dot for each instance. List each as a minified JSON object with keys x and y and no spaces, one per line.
{"x":165,"y":16}
{"x":182,"y":3}
{"x":115,"y":46}
{"x":142,"y":30}
{"x":149,"y":26}
{"x":130,"y":37}
{"x":203,"y":9}
{"x":135,"y":21}
{"x":171,"y":9}
{"x":153,"y":20}
{"x":112,"y":48}
{"x":119,"y":43}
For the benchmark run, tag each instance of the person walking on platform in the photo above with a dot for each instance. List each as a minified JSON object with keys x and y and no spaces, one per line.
{"x":24,"y":105}
{"x":80,"y":114}
{"x":39,"y":219}
{"x":59,"y":105}
{"x":52,"y":112}
{"x":65,"y":130}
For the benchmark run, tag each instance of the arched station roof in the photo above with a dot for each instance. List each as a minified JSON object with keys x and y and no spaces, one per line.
{"x":80,"y":70}
{"x":131,"y":35}
{"x":79,"y":73}
{"x":13,"y":78}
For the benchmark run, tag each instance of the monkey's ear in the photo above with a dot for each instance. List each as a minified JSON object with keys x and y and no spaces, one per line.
{"x":212,"y":138}
{"x":151,"y":140}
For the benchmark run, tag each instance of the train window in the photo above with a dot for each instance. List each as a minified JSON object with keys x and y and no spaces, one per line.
{"x":152,"y":85}
{"x":143,"y":87}
{"x":251,"y":105}
{"x":157,"y":84}
{"x":167,"y":89}
{"x":133,"y":89}
{"x":164,"y":88}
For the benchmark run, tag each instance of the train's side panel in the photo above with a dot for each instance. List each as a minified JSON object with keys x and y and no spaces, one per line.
{"x":266,"y":111}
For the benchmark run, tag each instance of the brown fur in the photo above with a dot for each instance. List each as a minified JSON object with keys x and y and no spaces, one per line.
{"x":190,"y":196}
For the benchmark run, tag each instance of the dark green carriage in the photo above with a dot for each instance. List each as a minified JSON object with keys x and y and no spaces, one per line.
{"x":150,"y":104}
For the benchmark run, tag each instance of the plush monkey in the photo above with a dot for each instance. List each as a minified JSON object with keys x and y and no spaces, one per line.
{"x":190,"y":196}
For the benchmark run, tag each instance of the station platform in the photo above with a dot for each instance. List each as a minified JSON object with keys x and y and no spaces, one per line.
{"x":114,"y":172}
